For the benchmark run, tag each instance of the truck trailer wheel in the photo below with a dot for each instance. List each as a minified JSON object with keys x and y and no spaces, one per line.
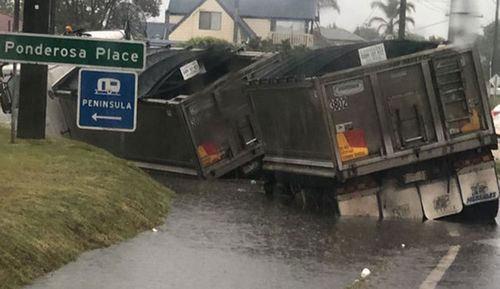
{"x":268,"y":188}
{"x":479,"y":212}
{"x":487,"y":210}
{"x":283,"y":193}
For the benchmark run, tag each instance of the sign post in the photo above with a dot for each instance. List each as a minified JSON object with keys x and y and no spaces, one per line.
{"x":33,"y":83}
{"x":107,"y":100}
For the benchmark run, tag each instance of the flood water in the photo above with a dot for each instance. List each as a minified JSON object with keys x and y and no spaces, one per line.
{"x":228,"y":235}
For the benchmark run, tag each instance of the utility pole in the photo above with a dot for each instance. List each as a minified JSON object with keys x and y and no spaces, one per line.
{"x":33,"y":84}
{"x":451,"y":26}
{"x":402,"y":19}
{"x":17,"y":7}
{"x":236,"y":17}
{"x":463,"y":22}
{"x":52,"y":19}
{"x":494,"y":65}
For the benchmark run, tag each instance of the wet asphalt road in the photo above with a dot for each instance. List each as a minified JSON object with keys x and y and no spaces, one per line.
{"x":229,"y":235}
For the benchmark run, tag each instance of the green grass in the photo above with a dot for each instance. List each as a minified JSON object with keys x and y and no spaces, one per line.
{"x":59,"y":198}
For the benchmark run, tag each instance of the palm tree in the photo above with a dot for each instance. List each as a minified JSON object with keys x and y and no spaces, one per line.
{"x":390,"y":8}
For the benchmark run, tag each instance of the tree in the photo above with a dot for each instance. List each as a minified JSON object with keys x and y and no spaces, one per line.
{"x":415,"y":37}
{"x":321,"y":4}
{"x":437,"y":39}
{"x":7,"y":7}
{"x":329,"y":3}
{"x":89,"y":14}
{"x":485,"y":44}
{"x":367,"y":33}
{"x":208,"y":42}
{"x":389,"y":22}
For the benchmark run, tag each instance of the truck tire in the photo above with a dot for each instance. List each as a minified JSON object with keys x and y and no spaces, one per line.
{"x":480,"y":212}
{"x":329,"y":204}
{"x":492,"y":209}
{"x":488,"y":210}
{"x":268,"y":188}
{"x":283,"y":193}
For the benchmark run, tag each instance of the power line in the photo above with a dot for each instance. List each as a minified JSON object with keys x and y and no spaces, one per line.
{"x":430,"y":25}
{"x":447,"y":2}
{"x":434,"y":8}
{"x":436,"y":3}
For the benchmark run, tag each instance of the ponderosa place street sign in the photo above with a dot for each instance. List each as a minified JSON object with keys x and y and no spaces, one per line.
{"x":81,"y":51}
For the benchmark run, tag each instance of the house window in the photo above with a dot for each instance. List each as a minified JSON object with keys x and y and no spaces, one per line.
{"x":210,"y":20}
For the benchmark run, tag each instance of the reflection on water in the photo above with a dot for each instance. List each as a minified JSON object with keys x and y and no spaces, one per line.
{"x":249,"y":221}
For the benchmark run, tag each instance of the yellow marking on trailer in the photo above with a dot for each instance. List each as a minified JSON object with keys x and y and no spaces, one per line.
{"x":349,"y":152}
{"x":474,"y":124}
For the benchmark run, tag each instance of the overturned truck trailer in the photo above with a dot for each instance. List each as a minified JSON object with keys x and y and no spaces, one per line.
{"x":407,"y":137}
{"x":186,"y":124}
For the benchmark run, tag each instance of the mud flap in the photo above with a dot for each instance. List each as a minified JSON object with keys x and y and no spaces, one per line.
{"x":359,"y":204}
{"x":478,"y":183}
{"x":400,"y":202}
{"x":441,"y":198}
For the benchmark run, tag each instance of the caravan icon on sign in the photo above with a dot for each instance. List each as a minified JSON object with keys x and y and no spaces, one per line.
{"x":108,"y":86}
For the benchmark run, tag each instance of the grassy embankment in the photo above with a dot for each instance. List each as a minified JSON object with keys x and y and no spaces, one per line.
{"x":59,"y":198}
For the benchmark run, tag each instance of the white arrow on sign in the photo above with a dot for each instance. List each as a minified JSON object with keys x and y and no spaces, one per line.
{"x":96,"y":117}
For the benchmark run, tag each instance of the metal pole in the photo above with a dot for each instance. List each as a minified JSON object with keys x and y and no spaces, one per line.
{"x":52,"y":20}
{"x":494,"y":65}
{"x":33,"y":84}
{"x":495,"y":93}
{"x":402,"y":19}
{"x":15,"y":94}
{"x":451,"y":28}
{"x":236,"y":19}
{"x":17,"y":6}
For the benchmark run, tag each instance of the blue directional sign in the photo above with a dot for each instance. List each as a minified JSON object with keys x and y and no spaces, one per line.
{"x":107,"y":100}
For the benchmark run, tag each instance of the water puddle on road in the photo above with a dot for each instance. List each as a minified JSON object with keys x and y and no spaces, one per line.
{"x":230,"y":235}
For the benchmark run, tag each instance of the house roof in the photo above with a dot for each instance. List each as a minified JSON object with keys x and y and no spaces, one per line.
{"x":340,"y":34}
{"x":223,"y":3}
{"x":156,"y":30}
{"x":277,"y":9}
{"x":183,"y":6}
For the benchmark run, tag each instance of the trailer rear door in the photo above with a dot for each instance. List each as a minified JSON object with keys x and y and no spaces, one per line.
{"x":406,"y":102}
{"x":405,"y":110}
{"x":353,"y":110}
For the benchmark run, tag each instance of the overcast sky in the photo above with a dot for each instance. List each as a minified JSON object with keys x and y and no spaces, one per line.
{"x":430,"y":16}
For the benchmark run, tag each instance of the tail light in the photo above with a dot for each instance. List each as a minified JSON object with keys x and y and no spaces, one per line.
{"x":209,"y":154}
